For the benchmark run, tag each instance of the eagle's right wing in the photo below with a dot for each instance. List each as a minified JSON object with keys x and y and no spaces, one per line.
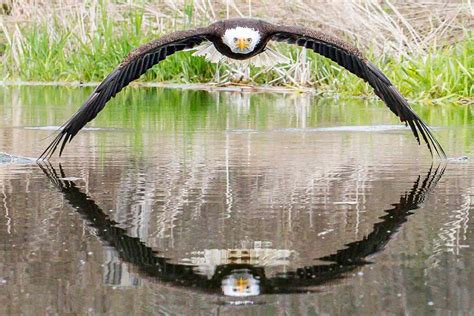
{"x":352,"y":59}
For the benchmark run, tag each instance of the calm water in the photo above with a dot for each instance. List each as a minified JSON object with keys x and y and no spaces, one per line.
{"x":191,"y":202}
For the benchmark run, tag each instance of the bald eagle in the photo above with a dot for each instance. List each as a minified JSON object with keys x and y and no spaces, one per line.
{"x":242,"y":40}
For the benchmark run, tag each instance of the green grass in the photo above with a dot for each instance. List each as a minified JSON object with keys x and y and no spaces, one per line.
{"x":56,"y":53}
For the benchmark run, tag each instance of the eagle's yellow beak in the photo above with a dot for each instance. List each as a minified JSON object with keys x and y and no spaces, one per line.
{"x":241,"y":284}
{"x":242,"y":43}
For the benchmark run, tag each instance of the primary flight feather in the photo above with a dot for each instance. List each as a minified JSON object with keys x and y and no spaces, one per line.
{"x":242,"y":40}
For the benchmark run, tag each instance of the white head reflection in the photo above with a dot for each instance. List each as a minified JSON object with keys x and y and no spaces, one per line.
{"x":240,"y":283}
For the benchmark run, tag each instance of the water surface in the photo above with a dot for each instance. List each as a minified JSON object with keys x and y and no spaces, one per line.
{"x":193,"y":202}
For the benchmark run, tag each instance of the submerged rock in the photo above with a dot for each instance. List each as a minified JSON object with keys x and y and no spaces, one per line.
{"x":9,"y":159}
{"x":459,"y":159}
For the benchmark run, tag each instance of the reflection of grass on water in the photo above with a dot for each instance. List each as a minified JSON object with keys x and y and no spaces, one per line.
{"x":191,"y":110}
{"x":187,"y":111}
{"x":53,"y":50}
{"x":148,"y":114}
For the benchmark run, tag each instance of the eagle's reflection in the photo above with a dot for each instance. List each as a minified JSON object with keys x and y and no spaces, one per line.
{"x":244,"y":279}
{"x":240,"y":282}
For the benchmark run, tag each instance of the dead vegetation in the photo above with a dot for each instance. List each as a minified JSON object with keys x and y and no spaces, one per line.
{"x":386,"y":30}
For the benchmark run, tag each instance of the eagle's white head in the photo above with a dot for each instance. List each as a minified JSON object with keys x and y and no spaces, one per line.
{"x":241,"y":40}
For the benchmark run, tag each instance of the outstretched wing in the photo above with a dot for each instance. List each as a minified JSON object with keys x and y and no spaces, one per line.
{"x":133,"y":66}
{"x":350,"y":58}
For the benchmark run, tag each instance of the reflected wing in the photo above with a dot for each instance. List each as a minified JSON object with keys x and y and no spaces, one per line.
{"x":135,"y":65}
{"x":130,"y":249}
{"x":356,"y":254}
{"x":382,"y":232}
{"x":351,"y":59}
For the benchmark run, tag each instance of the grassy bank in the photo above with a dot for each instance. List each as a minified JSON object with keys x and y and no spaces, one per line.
{"x":84,"y":43}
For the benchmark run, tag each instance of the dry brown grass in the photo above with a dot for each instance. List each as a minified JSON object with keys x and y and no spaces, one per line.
{"x":395,"y":30}
{"x":398,"y":27}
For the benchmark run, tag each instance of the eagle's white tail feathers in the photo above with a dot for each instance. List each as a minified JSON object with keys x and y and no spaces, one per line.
{"x":267,"y":58}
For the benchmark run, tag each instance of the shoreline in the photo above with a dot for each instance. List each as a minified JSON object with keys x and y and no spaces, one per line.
{"x":212,"y":87}
{"x":231,"y":87}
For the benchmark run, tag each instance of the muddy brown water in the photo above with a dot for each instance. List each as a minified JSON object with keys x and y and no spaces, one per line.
{"x":194,"y":202}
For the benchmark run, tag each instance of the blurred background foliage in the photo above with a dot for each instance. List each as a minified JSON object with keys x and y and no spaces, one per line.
{"x":425,"y":47}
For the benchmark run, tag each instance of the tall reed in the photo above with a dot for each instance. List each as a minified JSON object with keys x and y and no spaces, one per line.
{"x":425,"y":49}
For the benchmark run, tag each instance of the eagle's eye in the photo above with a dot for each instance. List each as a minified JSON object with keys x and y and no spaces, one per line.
{"x":249,"y":40}
{"x":235,"y":39}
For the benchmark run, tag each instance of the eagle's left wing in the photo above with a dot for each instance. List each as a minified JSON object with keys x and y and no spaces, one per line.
{"x":352,"y":59}
{"x":131,"y":68}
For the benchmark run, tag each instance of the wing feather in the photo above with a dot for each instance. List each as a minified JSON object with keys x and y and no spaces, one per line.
{"x":352,"y":59}
{"x":135,"y":65}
